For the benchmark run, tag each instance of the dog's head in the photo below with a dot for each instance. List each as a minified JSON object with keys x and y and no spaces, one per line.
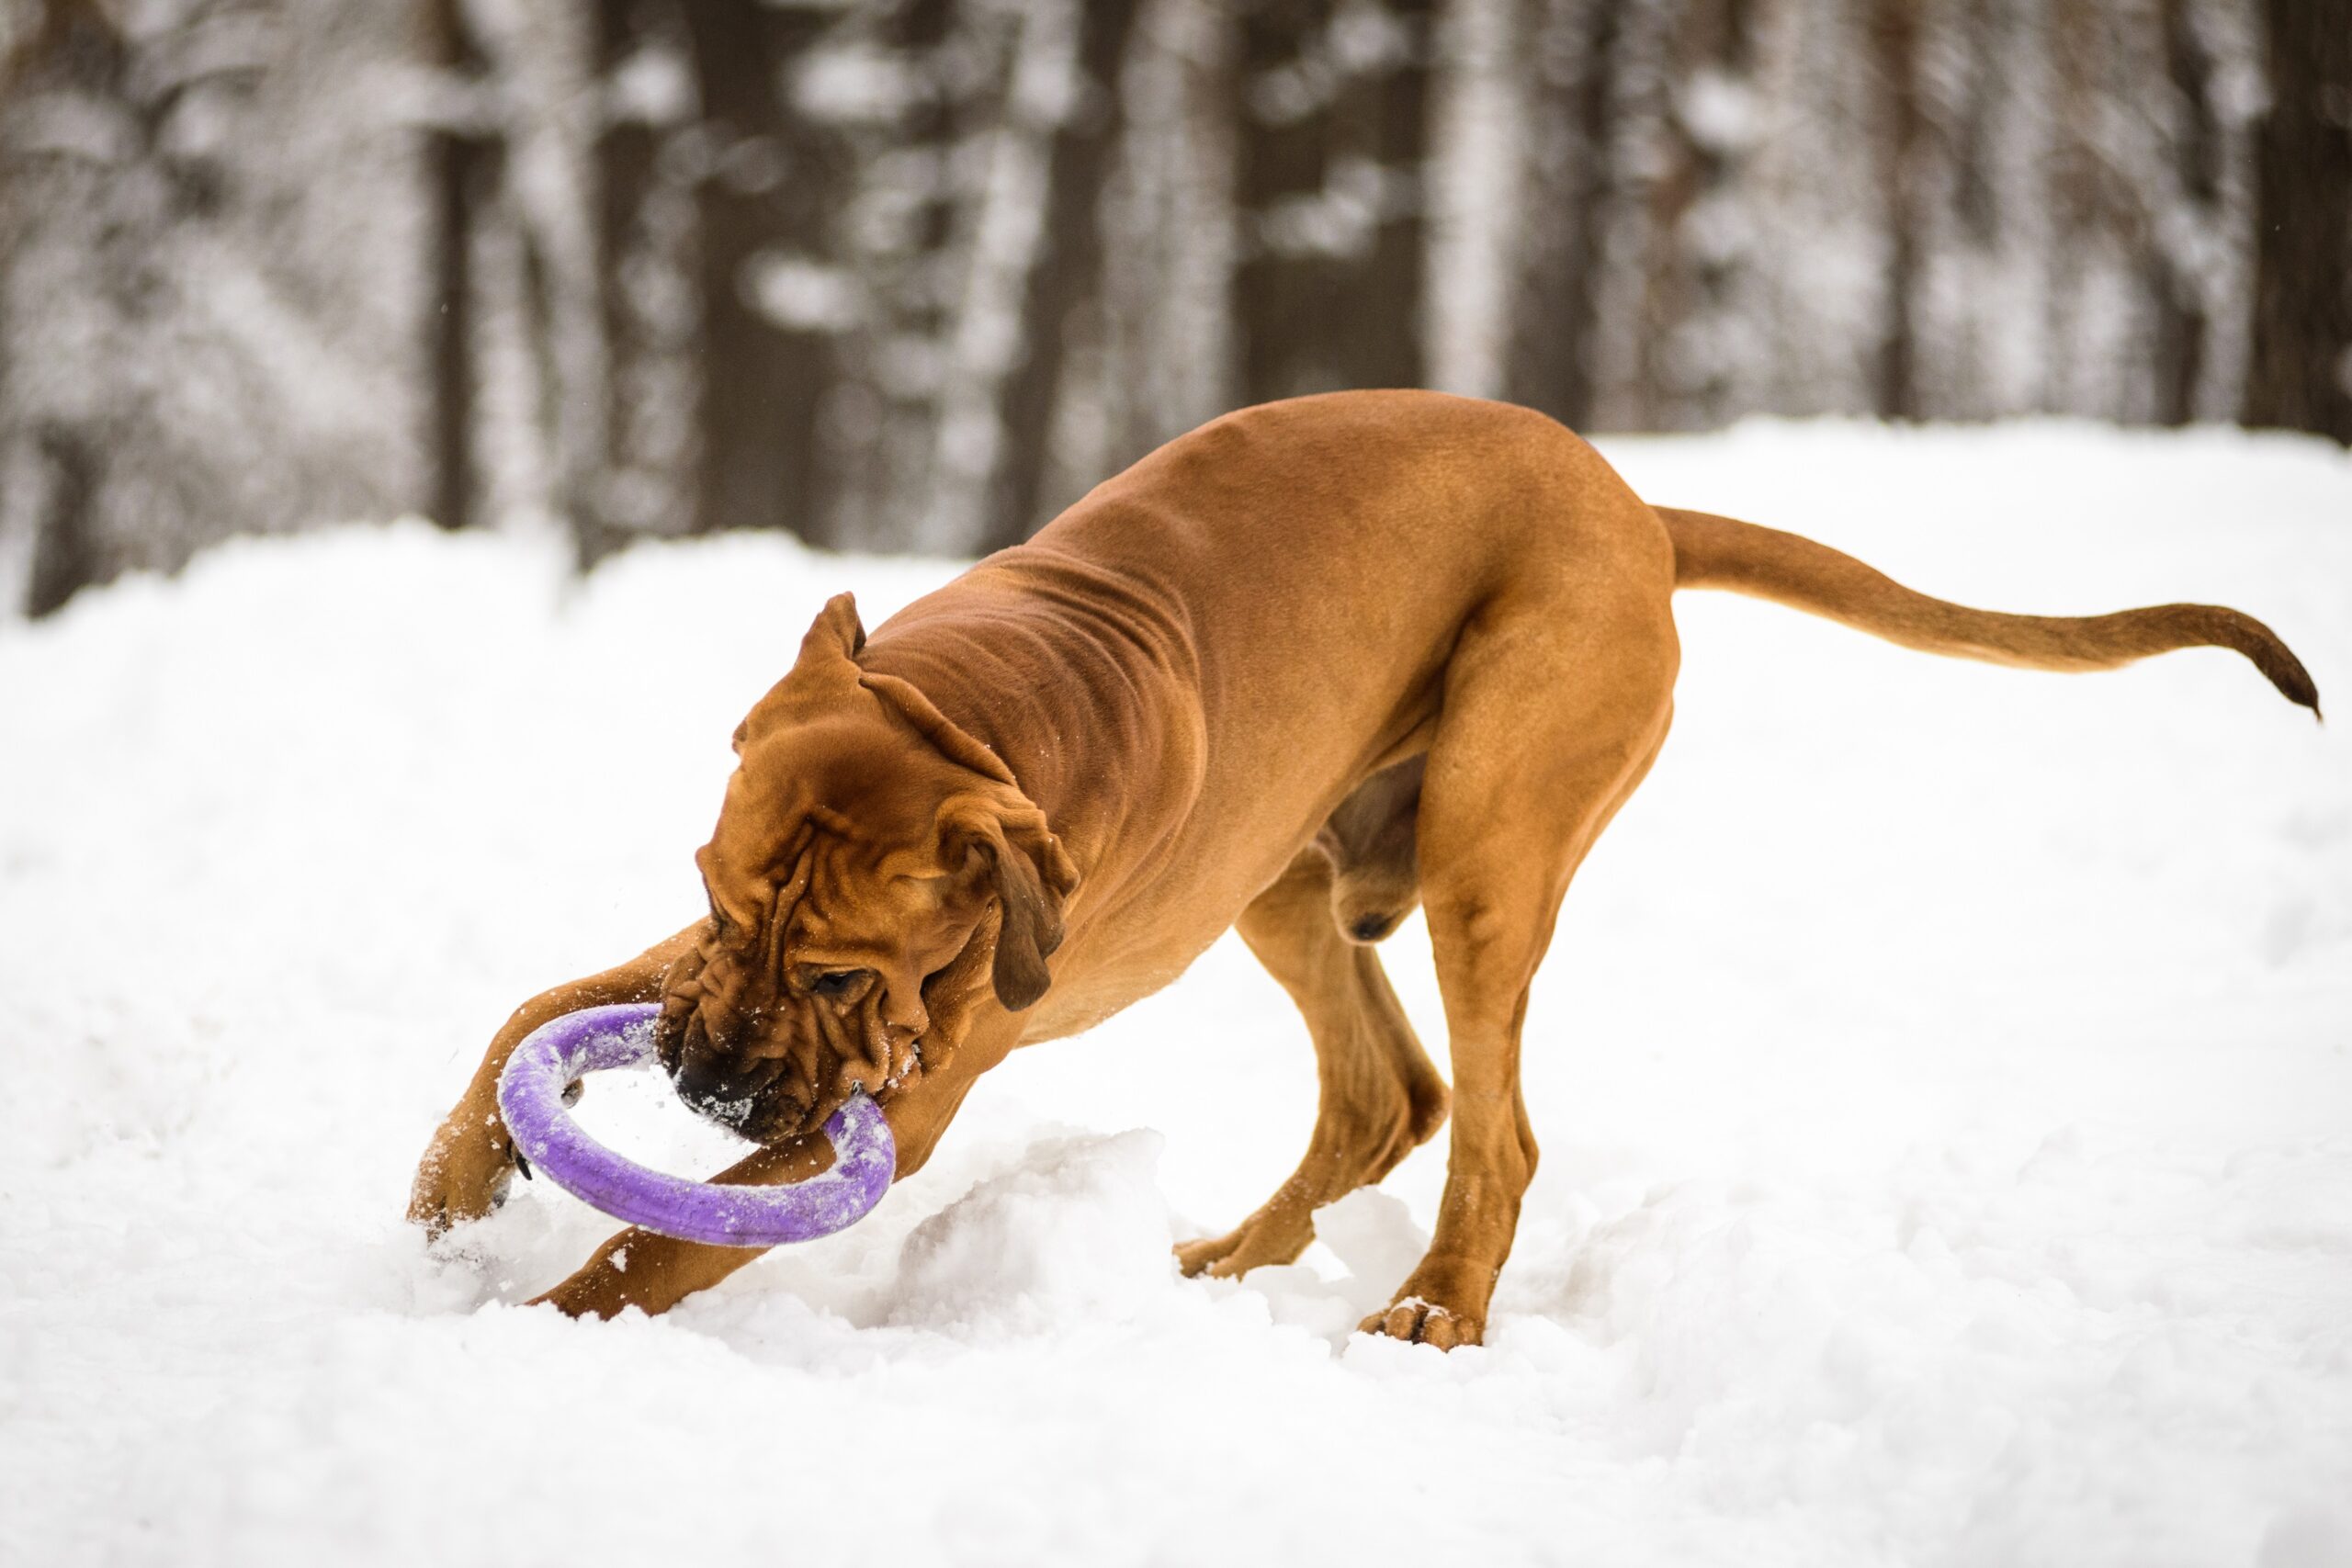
{"x":875,"y":876}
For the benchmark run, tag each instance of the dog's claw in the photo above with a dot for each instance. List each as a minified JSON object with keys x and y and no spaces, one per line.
{"x":523,"y":1166}
{"x":1418,"y":1322}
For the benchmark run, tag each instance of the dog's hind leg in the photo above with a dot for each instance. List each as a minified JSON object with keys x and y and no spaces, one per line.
{"x":467,"y":1166}
{"x":1552,"y":714}
{"x":1380,"y":1095}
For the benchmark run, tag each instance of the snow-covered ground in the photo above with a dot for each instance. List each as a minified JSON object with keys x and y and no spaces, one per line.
{"x":1943,"y":1075}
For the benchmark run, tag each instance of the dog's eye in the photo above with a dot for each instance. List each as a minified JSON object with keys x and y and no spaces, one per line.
{"x":838,"y":984}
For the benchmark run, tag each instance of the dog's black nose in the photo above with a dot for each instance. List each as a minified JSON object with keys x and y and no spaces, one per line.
{"x":698,"y":1076}
{"x":696,"y":1062}
{"x":716,"y":1083}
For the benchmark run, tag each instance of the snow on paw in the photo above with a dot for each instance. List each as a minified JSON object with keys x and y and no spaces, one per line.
{"x":463,"y":1176}
{"x":1419,"y":1322}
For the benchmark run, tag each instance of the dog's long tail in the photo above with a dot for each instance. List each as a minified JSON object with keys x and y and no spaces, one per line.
{"x":1740,"y":557}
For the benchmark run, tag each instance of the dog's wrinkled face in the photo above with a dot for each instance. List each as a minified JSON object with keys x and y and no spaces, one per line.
{"x":875,"y":875}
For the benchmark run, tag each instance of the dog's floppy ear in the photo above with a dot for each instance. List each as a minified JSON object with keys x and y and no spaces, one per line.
{"x":1010,"y":845}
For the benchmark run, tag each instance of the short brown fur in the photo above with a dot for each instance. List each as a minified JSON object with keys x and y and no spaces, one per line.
{"x":1293,"y":673}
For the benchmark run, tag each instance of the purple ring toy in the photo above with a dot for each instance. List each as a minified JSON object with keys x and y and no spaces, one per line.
{"x":530,"y":1095}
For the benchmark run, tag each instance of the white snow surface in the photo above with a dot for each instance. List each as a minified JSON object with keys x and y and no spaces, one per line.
{"x":1942,"y":1073}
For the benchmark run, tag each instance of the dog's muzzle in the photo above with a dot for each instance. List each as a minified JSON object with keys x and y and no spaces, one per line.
{"x":752,"y":1096}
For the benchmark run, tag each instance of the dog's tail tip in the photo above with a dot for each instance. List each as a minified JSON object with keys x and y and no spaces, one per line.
{"x":2271,"y":655}
{"x":2296,"y":685}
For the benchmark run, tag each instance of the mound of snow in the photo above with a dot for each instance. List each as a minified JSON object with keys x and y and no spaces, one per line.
{"x":1077,"y":1231}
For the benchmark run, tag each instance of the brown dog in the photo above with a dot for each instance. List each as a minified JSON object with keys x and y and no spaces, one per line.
{"x":1307,"y":666}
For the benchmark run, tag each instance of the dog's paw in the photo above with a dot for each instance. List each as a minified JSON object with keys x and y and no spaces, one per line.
{"x":1419,"y":1322}
{"x":1202,"y":1256}
{"x":589,"y":1293}
{"x":464,"y":1175}
{"x":1274,"y":1235}
{"x":638,"y":1269}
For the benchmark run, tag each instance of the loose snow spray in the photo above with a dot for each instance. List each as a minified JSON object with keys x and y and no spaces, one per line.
{"x":530,"y":1095}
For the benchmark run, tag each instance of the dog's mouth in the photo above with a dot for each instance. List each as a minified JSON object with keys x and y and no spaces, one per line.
{"x":764,"y":1114}
{"x":770,"y":1098}
{"x":777,"y":1114}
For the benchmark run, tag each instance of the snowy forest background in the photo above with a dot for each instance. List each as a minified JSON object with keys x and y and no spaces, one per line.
{"x":914,"y":273}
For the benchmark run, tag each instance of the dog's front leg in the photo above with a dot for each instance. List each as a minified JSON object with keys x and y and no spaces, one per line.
{"x":653,"y":1272}
{"x":646,"y":1269}
{"x":467,"y":1164}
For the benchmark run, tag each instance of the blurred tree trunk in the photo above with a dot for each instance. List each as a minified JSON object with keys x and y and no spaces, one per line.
{"x":1331,"y":109}
{"x":1062,"y":306}
{"x":2301,"y":376}
{"x":1895,"y":45}
{"x":538,"y":351}
{"x":765,"y":196}
{"x":47,"y":469}
{"x":998,"y":244}
{"x":462,"y":159}
{"x":901,"y":85}
{"x":1476,"y":178}
{"x":1168,"y":359}
{"x":1568,"y":122}
{"x":646,"y":292}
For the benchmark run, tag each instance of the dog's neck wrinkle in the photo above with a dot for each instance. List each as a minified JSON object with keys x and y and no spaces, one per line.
{"x":1072,"y":744}
{"x":1122,"y":600}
